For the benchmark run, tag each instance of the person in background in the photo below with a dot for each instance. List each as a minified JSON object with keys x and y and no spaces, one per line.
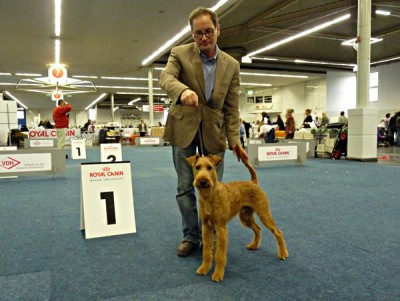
{"x":241,"y":132}
{"x":317,"y":122}
{"x":265,"y":119}
{"x":142,"y":126}
{"x":279,"y":122}
{"x":324,"y":119}
{"x":342,"y":118}
{"x":290,"y":124}
{"x":204,"y":83}
{"x":159,"y":124}
{"x":47,"y":124}
{"x":268,"y":132}
{"x":398,"y":129}
{"x":247,"y":127}
{"x":308,"y":119}
{"x":61,"y":120}
{"x":386,"y":122}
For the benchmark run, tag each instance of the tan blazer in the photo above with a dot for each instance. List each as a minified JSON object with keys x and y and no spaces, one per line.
{"x":219,"y":117}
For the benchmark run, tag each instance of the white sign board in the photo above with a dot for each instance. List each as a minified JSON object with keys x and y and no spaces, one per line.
{"x":7,"y":148}
{"x":42,"y":143}
{"x":277,"y":153}
{"x":11,"y":163}
{"x":149,"y":141}
{"x":107,"y":199}
{"x":258,"y":141}
{"x":110,"y":152}
{"x":78,"y":148}
{"x":52,"y":134}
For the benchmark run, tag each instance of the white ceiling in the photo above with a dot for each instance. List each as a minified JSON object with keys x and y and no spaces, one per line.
{"x":112,"y":38}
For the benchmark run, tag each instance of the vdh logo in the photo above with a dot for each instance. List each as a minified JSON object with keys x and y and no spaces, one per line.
{"x":36,"y":143}
{"x":106,"y":168}
{"x":8,"y":163}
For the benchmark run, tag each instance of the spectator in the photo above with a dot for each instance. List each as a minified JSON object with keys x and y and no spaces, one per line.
{"x":324,"y":119}
{"x":308,"y":119}
{"x":290,"y":124}
{"x":317,"y":122}
{"x":342,"y":119}
{"x":142,"y":126}
{"x":247,"y":127}
{"x":241,"y":132}
{"x":386,"y":122}
{"x":280,"y":123}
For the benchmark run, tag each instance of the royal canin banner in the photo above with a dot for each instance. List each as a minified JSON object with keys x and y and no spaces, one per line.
{"x":52,"y":133}
{"x":10,"y":163}
{"x":158,"y":108}
{"x":277,"y":153}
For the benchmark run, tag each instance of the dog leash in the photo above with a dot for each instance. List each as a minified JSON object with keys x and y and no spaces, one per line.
{"x":201,"y":141}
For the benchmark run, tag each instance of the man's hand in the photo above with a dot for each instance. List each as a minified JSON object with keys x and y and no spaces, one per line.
{"x":189,"y":98}
{"x":239,"y":152}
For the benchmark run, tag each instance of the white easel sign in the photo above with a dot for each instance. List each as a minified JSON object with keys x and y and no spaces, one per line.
{"x":107,"y":199}
{"x":110,"y":152}
{"x":78,"y":148}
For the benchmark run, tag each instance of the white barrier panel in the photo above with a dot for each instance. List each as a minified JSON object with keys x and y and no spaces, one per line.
{"x":78,"y":149}
{"x":19,"y":163}
{"x":277,"y":153}
{"x":110,"y":152}
{"x":7,"y":148}
{"x":106,"y":199}
{"x":41,"y":142}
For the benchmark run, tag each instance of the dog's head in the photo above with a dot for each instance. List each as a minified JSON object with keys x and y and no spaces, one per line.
{"x":204,"y":170}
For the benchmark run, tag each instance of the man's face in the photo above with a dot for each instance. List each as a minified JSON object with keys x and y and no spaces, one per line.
{"x":203,"y":24}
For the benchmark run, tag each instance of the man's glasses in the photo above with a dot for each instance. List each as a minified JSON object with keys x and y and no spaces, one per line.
{"x":208,"y":33}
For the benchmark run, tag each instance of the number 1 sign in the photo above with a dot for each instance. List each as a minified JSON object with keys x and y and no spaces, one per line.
{"x":107,"y":199}
{"x":78,"y":148}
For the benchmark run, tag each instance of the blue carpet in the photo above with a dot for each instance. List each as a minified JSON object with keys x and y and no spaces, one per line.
{"x":340,"y":220}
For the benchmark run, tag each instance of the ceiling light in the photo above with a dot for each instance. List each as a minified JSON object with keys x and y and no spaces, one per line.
{"x":299,"y":35}
{"x":273,"y":75}
{"x":28,"y":74}
{"x":353,"y":42}
{"x":133,"y":101}
{"x":255,"y":84}
{"x":57,"y":17}
{"x":97,"y":100}
{"x":179,"y":35}
{"x":57,"y":51}
{"x":263,"y":58}
{"x":126,"y":78}
{"x":323,"y":63}
{"x":116,"y":108}
{"x":85,"y":76}
{"x":140,"y":93}
{"x":16,"y":100}
{"x":5,"y":73}
{"x":126,"y":87}
{"x":159,"y":68}
{"x":386,"y":60}
{"x":382,"y":12}
{"x":246,"y":60}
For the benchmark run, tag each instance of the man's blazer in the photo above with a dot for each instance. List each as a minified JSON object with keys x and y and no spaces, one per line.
{"x":219,"y":117}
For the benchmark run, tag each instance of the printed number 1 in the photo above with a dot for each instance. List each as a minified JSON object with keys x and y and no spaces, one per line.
{"x":79,"y":151}
{"x":110,"y":208}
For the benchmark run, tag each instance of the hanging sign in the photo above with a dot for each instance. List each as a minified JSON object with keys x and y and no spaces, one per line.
{"x":56,"y":96}
{"x":57,"y":73}
{"x":110,"y":152}
{"x":107,"y":199}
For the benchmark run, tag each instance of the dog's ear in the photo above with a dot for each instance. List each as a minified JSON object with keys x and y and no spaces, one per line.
{"x":215,"y":159}
{"x":192,"y":160}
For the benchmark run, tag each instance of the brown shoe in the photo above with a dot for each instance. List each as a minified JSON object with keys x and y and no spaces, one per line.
{"x":186,"y":248}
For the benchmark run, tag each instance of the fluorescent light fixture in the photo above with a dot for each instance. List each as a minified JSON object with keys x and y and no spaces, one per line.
{"x":28,"y":74}
{"x":255,"y":84}
{"x":97,"y":100}
{"x":85,"y":76}
{"x":175,"y":38}
{"x":386,"y":60}
{"x":382,"y":12}
{"x":116,"y":108}
{"x":323,"y":63}
{"x":5,"y":73}
{"x":246,"y":60}
{"x":16,"y":100}
{"x":126,"y":87}
{"x":263,"y":58}
{"x":159,"y":68}
{"x":127,"y":78}
{"x":57,"y":17}
{"x":134,"y":100}
{"x":57,"y":51}
{"x":7,"y":84}
{"x":352,"y":42}
{"x":273,"y":75}
{"x":140,"y":93}
{"x":299,"y":35}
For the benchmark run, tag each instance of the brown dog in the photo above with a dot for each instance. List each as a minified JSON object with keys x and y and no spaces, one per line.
{"x":219,"y":202}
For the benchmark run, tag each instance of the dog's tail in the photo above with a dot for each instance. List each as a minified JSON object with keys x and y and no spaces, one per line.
{"x":251,"y":169}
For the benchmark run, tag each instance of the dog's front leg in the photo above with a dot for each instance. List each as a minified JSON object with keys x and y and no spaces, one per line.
{"x":207,"y":239}
{"x":220,"y":253}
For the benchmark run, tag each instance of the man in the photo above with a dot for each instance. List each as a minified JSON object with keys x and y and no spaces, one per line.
{"x":142,"y":126}
{"x":61,"y":121}
{"x":203,"y":83}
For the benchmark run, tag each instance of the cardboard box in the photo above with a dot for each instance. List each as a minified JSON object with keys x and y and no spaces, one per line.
{"x":298,"y":135}
{"x":330,"y":142}
{"x":328,"y":149}
{"x":320,"y":148}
